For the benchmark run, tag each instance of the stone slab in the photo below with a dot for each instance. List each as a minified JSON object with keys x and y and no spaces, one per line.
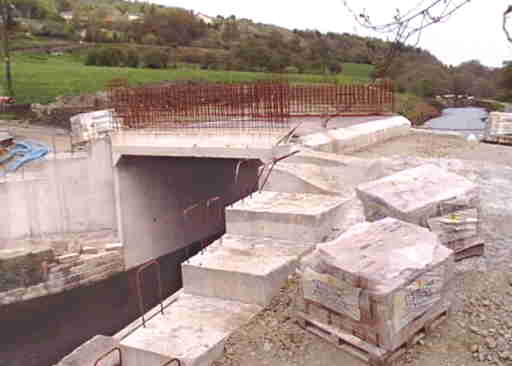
{"x":192,"y":329}
{"x":378,"y":279}
{"x":357,"y":137}
{"x":300,"y":217}
{"x":415,"y":195}
{"x":457,"y":226}
{"x":246,"y":269}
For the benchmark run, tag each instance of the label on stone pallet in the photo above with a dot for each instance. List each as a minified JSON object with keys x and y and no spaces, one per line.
{"x":416,"y":298}
{"x":335,"y":294}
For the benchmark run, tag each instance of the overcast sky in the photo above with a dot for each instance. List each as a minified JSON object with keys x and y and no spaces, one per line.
{"x":473,"y":33}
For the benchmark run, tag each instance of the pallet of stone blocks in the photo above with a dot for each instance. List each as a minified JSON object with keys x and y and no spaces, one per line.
{"x":416,"y":195}
{"x":459,"y":231}
{"x":376,"y":288}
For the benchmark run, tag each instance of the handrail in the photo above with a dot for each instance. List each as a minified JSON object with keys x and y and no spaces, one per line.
{"x":102,"y":357}
{"x":171,"y":361}
{"x":139,"y":287}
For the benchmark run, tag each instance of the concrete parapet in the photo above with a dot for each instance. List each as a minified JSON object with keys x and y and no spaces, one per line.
{"x":357,"y":137}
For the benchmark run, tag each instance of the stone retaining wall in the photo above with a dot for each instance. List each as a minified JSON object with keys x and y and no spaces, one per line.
{"x":27,"y":274}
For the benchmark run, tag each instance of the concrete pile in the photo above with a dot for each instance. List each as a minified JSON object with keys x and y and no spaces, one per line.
{"x":376,"y":288}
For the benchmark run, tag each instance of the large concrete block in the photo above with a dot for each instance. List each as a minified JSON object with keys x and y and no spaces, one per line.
{"x":300,"y":217}
{"x":415,"y":195}
{"x":240,"y":268}
{"x":192,"y":329}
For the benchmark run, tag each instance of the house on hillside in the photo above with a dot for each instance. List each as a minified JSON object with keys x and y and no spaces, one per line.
{"x":205,"y":18}
{"x":134,"y":17}
{"x":66,"y":15}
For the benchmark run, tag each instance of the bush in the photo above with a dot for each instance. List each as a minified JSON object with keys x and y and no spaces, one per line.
{"x":156,"y":59}
{"x":132,"y":58}
{"x":107,"y":57}
{"x":291,"y":69}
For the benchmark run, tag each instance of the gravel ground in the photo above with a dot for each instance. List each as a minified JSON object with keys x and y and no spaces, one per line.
{"x":479,"y":331}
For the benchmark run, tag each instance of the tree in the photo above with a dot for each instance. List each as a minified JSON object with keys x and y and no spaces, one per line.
{"x":6,"y":8}
{"x":407,"y":25}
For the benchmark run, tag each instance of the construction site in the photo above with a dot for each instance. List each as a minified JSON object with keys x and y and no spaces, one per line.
{"x":254,"y":224}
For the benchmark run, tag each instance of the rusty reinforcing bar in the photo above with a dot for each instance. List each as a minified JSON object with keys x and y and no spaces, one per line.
{"x":139,"y":287}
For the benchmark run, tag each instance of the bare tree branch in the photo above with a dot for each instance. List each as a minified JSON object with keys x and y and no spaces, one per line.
{"x":505,"y":21}
{"x":405,"y":25}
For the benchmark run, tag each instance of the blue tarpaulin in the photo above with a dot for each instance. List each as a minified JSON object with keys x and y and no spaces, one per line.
{"x":22,"y":153}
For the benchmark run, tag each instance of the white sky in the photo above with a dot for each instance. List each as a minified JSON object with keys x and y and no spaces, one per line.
{"x":473,"y":33}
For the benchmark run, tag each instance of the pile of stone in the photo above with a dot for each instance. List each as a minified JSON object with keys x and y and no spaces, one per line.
{"x":430,"y":197}
{"x":459,"y":231}
{"x":376,"y":288}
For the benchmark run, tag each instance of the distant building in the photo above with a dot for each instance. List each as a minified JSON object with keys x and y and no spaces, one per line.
{"x":67,"y":15}
{"x":134,"y":17}
{"x":205,"y":18}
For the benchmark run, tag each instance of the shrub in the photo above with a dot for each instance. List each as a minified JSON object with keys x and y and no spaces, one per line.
{"x":291,"y":69}
{"x":132,"y":58}
{"x":106,"y":57}
{"x":156,"y":59}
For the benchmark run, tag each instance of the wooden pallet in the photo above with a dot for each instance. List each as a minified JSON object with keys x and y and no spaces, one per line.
{"x":369,"y":353}
{"x":477,"y":250}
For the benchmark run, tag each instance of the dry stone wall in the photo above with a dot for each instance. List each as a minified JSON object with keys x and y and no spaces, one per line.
{"x":29,"y":273}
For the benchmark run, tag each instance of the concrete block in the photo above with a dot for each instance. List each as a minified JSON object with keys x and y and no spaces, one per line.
{"x":114,"y":247}
{"x":357,"y":137}
{"x":90,"y":351}
{"x":89,"y":250}
{"x":245,"y":269}
{"x":299,"y":217}
{"x":68,"y":258}
{"x":192,"y":329}
{"x":415,"y":195}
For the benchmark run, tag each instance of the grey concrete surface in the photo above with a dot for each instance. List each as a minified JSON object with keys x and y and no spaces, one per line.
{"x":153,"y":192}
{"x":358,"y":136}
{"x":299,"y":217}
{"x":241,"y":268}
{"x":63,"y":194}
{"x":192,"y":329}
{"x":226,"y":144}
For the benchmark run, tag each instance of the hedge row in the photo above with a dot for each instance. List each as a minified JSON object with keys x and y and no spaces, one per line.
{"x":155,"y":59}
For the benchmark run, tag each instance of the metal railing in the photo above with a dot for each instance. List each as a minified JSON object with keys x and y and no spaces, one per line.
{"x":139,"y":288}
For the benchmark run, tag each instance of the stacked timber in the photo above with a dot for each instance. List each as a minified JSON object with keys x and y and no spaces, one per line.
{"x":376,"y":288}
{"x":499,"y":128}
{"x":415,"y":195}
{"x":460,"y":232}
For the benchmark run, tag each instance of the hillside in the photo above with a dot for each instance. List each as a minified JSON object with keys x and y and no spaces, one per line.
{"x":148,"y":35}
{"x":40,"y":78}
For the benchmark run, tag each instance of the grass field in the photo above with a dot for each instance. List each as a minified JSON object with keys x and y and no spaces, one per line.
{"x":41,"y":78}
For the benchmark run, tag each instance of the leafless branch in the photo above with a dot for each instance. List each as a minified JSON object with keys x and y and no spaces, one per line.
{"x":404,"y":26}
{"x":505,"y":23}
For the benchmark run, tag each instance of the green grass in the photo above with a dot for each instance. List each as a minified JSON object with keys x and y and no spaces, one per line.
{"x":41,"y":78}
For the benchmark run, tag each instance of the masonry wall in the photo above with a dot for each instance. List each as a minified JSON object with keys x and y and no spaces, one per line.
{"x":153,"y":193}
{"x":61,"y":194}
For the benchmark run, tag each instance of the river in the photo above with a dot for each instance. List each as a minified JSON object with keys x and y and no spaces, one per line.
{"x":464,"y":120}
